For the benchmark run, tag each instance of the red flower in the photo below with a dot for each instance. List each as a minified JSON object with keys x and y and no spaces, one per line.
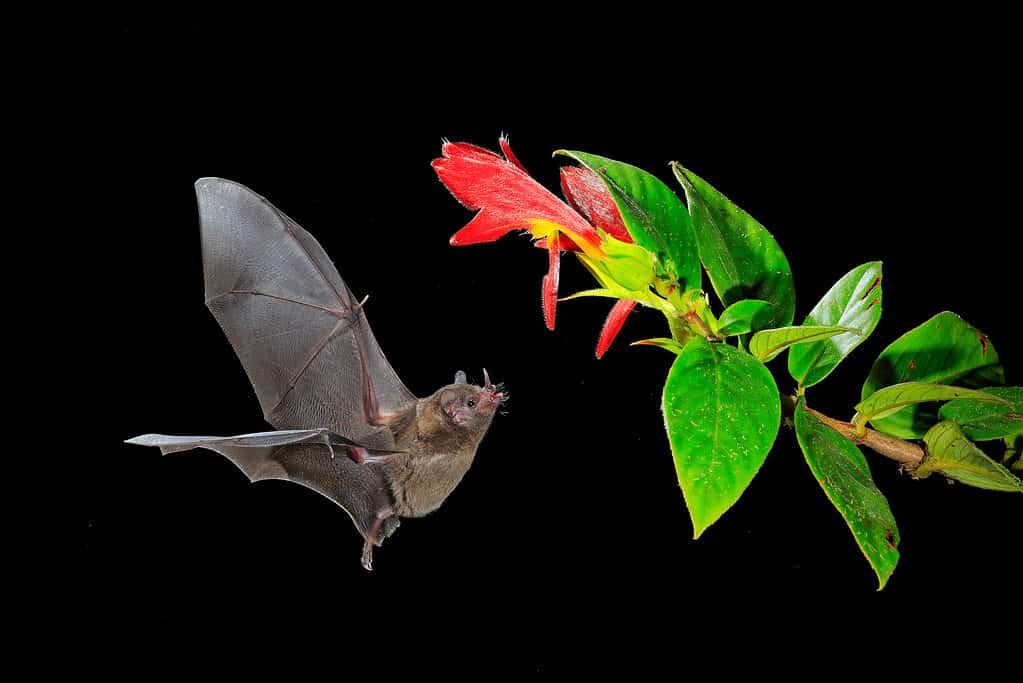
{"x":507,"y":199}
{"x":613,"y":325}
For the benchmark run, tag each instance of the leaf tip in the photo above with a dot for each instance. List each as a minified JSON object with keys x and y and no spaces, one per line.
{"x":702,"y":521}
{"x":882,"y":577}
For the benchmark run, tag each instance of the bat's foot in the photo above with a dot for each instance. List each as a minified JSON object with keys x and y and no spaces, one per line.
{"x":371,"y":538}
{"x":367,"y":555}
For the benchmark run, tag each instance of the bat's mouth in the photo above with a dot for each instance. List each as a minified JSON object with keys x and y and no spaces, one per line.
{"x":495,"y":394}
{"x":492,"y":395}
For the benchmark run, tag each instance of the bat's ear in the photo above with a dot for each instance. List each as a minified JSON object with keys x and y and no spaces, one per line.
{"x":460,"y":377}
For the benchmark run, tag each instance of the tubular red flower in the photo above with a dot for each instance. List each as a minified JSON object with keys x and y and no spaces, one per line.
{"x":588,"y":195}
{"x":613,"y":325}
{"x":507,"y":199}
{"x":550,"y":281}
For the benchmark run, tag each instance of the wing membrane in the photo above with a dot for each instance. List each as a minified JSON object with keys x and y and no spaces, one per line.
{"x":299,"y":332}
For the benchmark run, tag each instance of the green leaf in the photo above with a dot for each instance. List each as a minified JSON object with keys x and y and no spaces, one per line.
{"x":722,"y":413}
{"x":984,"y":421}
{"x":654,"y":216}
{"x":944,"y":350}
{"x":854,"y":302}
{"x":952,"y":454}
{"x":745,"y":316}
{"x":842,"y":472}
{"x":665,"y":343}
{"x":742,"y":258}
{"x":601,"y":292}
{"x":892,"y":399}
{"x":767,"y":344}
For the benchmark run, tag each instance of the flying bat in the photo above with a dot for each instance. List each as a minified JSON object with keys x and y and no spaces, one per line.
{"x":346,"y":425}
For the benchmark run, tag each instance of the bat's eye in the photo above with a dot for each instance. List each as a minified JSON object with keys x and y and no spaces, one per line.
{"x":471,"y":403}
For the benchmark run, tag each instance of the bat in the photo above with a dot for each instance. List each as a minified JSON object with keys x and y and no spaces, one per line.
{"x":346,"y":425}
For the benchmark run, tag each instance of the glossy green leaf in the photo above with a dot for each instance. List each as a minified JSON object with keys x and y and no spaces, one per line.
{"x":745,"y":316}
{"x":854,"y":302}
{"x":985,"y":421}
{"x":955,"y":456}
{"x":722,"y":413}
{"x":742,"y":258}
{"x":654,"y":215}
{"x":892,"y":399}
{"x":944,"y":350}
{"x":767,"y":344}
{"x":842,"y":471}
{"x":666,"y":343}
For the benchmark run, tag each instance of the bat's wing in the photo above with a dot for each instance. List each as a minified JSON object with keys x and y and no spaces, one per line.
{"x":303,"y":456}
{"x":301,"y":335}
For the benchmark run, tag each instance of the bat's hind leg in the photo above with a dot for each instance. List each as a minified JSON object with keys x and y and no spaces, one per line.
{"x":371,"y":537}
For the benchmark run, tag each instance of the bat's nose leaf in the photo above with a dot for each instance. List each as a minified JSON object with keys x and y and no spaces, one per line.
{"x":460,"y":377}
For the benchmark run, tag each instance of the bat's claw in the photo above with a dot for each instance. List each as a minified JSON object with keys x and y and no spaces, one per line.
{"x":330,"y":446}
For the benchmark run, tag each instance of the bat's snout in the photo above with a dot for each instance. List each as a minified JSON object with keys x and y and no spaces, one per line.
{"x":492,"y":394}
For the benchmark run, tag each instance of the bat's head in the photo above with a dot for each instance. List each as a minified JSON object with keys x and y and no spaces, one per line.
{"x":469,"y":406}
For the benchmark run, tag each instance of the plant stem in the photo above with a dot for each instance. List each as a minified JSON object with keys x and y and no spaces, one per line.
{"x":906,"y":453}
{"x":696,"y":322}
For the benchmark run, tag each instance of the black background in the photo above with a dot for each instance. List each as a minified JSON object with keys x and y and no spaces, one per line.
{"x":568,"y":543}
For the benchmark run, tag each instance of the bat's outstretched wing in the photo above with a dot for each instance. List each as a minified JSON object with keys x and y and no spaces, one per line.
{"x":303,"y":456}
{"x":299,"y":332}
